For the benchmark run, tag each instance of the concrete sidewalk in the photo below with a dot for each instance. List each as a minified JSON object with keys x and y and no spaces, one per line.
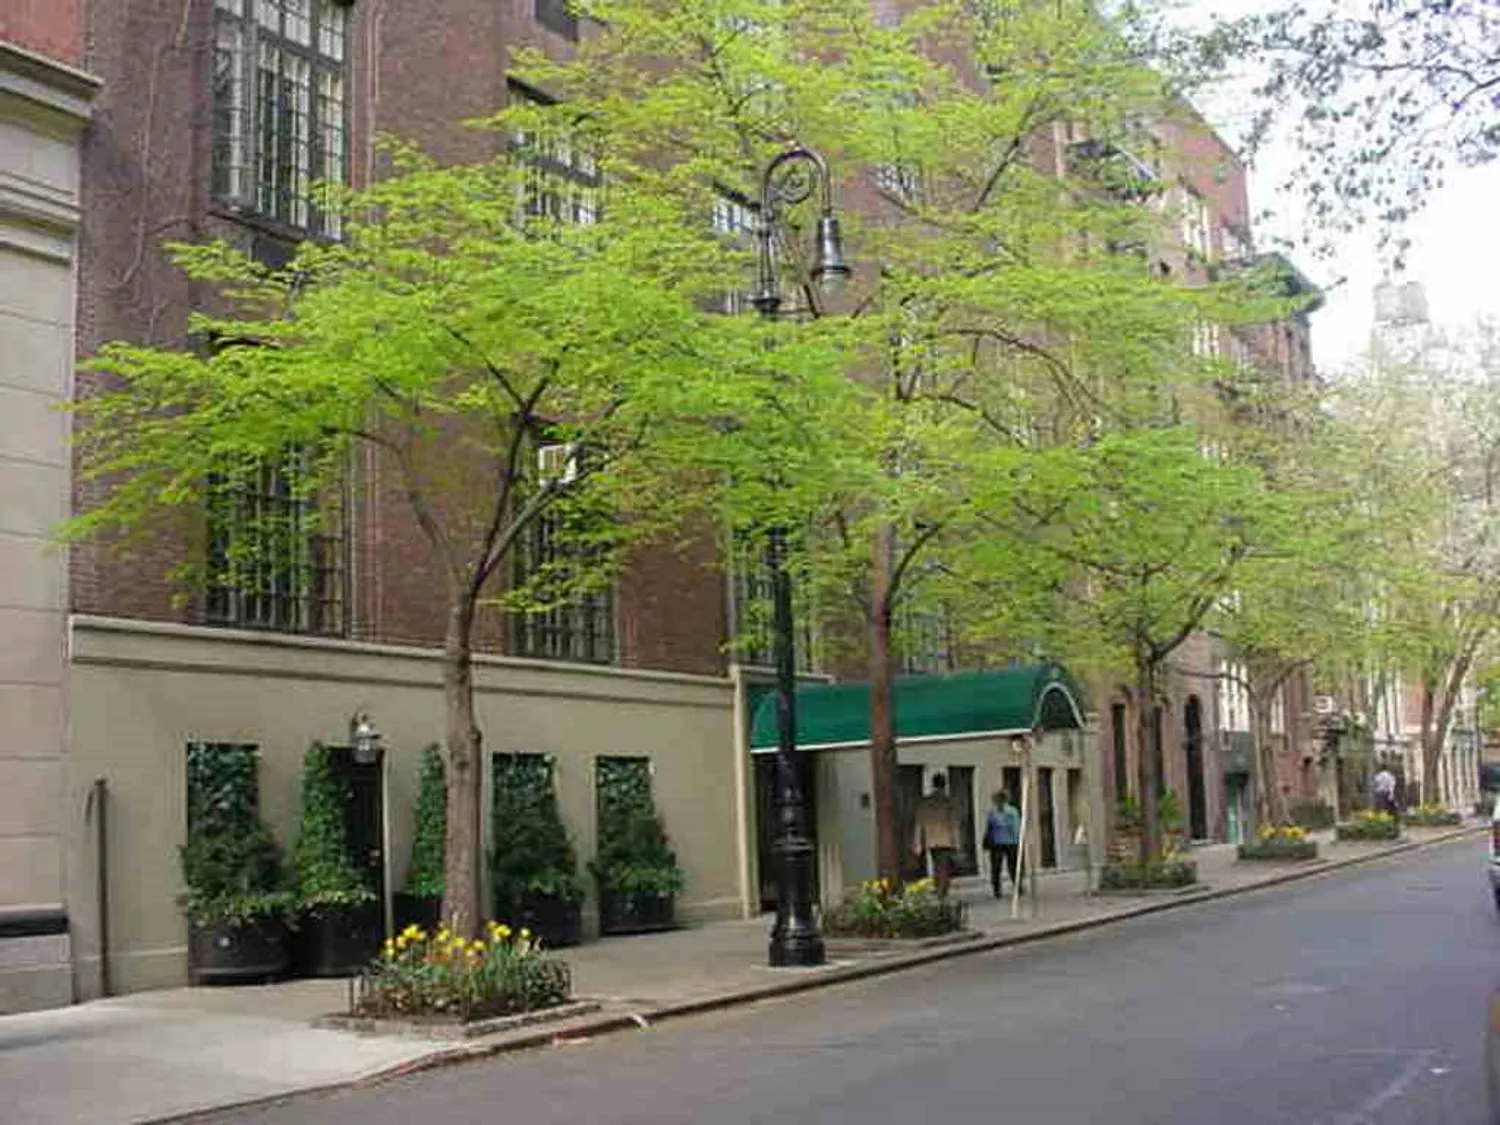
{"x":160,"y":1055}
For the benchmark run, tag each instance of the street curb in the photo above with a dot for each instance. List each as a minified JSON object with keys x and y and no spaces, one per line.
{"x":808,"y":981}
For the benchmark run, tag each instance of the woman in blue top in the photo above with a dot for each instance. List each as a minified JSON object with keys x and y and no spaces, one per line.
{"x":1002,"y":833}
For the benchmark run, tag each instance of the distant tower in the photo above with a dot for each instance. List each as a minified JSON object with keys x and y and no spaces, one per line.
{"x":1401,"y":321}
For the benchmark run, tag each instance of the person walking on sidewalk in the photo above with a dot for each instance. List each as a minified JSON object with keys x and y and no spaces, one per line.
{"x":1385,"y":791}
{"x":936,"y":835}
{"x":1002,"y":836}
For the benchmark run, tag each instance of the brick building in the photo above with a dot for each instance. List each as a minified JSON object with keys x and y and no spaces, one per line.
{"x":212,"y":119}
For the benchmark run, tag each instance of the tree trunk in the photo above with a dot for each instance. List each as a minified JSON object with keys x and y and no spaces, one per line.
{"x":888,"y":845}
{"x":1270,"y":802}
{"x":1435,"y":740}
{"x":1146,"y":773}
{"x":1432,"y":744}
{"x":461,"y":907}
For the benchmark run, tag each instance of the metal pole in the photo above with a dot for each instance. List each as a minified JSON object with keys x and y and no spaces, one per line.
{"x":795,"y":940}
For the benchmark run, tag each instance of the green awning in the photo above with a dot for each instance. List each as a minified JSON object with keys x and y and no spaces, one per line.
{"x":1009,"y":702}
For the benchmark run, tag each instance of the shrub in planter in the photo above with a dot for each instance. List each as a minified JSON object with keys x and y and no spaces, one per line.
{"x":1370,"y":825}
{"x":635,"y":868}
{"x":1165,"y":874}
{"x":533,"y":867}
{"x":420,"y":901}
{"x":882,"y":908}
{"x":1314,"y":816}
{"x":235,"y":903}
{"x":1433,"y":816}
{"x":1284,"y":841}
{"x":437,"y":975}
{"x":339,"y":919}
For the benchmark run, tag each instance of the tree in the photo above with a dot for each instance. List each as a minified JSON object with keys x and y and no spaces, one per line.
{"x":1001,"y":270}
{"x":1388,"y":96}
{"x":1440,"y":410}
{"x":504,"y":369}
{"x":1132,"y":541}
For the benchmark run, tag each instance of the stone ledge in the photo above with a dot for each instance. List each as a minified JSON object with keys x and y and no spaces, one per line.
{"x":455,"y":1030}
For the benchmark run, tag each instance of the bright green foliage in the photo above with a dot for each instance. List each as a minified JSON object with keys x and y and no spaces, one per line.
{"x":230,"y":863}
{"x":323,"y":871}
{"x":1004,"y":299}
{"x":634,"y":854}
{"x":530,"y":852}
{"x":424,"y":878}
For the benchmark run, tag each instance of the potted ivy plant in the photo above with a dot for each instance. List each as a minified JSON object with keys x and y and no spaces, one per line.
{"x":235,"y":901}
{"x":533,"y":867}
{"x":420,"y":901}
{"x":339,"y":923}
{"x":635,"y":869}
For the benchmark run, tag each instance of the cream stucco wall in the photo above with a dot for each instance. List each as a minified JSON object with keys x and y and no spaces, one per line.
{"x":43,"y":108}
{"x":846,"y":820}
{"x":142,"y":692}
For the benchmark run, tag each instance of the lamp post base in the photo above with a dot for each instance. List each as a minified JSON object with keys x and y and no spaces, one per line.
{"x":796,"y":951}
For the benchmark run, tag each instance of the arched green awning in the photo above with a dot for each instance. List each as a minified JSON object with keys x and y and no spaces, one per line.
{"x":1003,"y":703}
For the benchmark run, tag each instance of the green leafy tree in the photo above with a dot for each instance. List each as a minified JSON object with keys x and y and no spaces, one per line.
{"x":499,"y":368}
{"x":1384,"y":98}
{"x":1001,"y":271}
{"x":231,"y":864}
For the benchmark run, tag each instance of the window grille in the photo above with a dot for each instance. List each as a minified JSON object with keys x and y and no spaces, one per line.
{"x":279,"y":105}
{"x":275,"y":557}
{"x":561,"y":181}
{"x":581,"y":628}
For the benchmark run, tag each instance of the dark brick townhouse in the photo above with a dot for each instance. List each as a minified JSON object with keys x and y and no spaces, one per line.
{"x":211,"y":120}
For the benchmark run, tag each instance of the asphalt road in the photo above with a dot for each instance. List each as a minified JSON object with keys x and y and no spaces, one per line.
{"x":1357,"y":999}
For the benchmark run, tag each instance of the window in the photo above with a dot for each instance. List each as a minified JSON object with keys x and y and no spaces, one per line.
{"x":1234,"y":706}
{"x":561,"y":183}
{"x":753,"y":617}
{"x":557,"y":16}
{"x":279,"y":74}
{"x":737,"y":222}
{"x":1278,"y":712}
{"x":1206,"y":340}
{"x":1197,"y":232}
{"x":924,"y":641}
{"x":275,"y":559}
{"x":579,"y":627}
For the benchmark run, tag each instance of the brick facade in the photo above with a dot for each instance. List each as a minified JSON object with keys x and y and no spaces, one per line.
{"x":146,"y":161}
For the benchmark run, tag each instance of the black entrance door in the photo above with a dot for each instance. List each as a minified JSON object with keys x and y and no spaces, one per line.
{"x":1192,"y":724}
{"x":961,"y":787}
{"x":1046,"y":816}
{"x":364,"y":814}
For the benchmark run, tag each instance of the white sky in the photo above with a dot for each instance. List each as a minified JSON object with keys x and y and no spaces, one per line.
{"x":1455,"y":240}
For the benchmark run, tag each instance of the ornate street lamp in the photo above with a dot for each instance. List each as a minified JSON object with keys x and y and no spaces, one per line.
{"x":789,"y":179}
{"x":364,"y":739}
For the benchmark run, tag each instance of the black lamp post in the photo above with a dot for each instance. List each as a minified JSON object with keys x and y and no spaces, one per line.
{"x":790,"y":179}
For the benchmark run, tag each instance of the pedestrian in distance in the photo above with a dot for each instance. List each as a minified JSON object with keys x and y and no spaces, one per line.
{"x":1002,"y":837}
{"x":1384,"y":791}
{"x":936,"y":833}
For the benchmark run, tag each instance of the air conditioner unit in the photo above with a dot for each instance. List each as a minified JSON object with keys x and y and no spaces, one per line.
{"x":557,"y":464}
{"x":1324,"y":705}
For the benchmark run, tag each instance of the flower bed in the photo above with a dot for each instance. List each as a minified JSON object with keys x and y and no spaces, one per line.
{"x":1368,"y":825}
{"x":443,"y":975}
{"x":1280,"y":842}
{"x":1433,"y":816}
{"x":1132,"y":875}
{"x":882,"y":908}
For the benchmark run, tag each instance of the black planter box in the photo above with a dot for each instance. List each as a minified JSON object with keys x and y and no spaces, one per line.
{"x":425,"y":911}
{"x":552,"y":918}
{"x":636,"y":912}
{"x":338,"y":941}
{"x":252,"y":953}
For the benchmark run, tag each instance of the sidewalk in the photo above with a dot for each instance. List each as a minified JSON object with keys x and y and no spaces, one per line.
{"x":157,"y":1055}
